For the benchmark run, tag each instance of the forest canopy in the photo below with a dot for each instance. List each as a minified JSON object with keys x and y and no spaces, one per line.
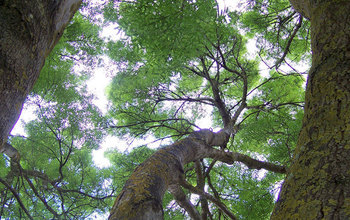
{"x":177,"y":67}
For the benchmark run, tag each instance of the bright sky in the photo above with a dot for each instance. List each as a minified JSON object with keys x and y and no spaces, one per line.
{"x":97,"y":85}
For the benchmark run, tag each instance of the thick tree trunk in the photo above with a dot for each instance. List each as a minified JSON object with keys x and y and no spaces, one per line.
{"x":318,"y":183}
{"x":29,"y":31}
{"x":141,"y":197}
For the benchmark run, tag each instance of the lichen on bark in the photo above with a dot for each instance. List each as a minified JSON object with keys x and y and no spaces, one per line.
{"x":318,"y":183}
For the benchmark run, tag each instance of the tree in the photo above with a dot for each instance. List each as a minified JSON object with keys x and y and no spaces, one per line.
{"x":317,"y":184}
{"x":180,"y":61}
{"x":56,"y":176}
{"x":29,"y":33}
{"x":317,"y":181}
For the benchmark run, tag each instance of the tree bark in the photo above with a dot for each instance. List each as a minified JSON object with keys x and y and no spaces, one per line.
{"x":141,"y":197}
{"x":29,"y":31}
{"x":318,"y":182}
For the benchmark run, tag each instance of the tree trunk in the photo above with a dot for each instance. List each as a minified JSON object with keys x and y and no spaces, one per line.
{"x":318,"y":183}
{"x":29,"y":31}
{"x":141,"y":197}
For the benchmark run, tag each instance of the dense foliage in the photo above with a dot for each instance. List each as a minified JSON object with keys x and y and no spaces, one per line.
{"x":182,"y":66}
{"x":56,"y":177}
{"x":187,"y":61}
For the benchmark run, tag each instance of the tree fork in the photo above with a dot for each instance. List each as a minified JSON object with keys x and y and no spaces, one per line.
{"x":141,"y":197}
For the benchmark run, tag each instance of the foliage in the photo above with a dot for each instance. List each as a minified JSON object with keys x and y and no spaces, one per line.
{"x":180,"y":63}
{"x":184,"y":61}
{"x":123,"y":164}
{"x":279,"y":30}
{"x":56,"y":177}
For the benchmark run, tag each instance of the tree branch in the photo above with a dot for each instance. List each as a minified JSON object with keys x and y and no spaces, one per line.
{"x":221,"y":205}
{"x":231,"y":157}
{"x":10,"y":151}
{"x":184,"y":202}
{"x":41,"y":198}
{"x":286,"y":50}
{"x":270,"y":106}
{"x":201,"y":186}
{"x":15,"y":194}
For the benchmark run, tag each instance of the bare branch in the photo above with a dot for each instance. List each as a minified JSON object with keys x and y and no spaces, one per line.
{"x":269,"y":106}
{"x":15,"y":194}
{"x":231,"y":157}
{"x":41,"y":198}
{"x":221,"y":205}
{"x":204,"y":100}
{"x":201,"y":186}
{"x":286,"y":49}
{"x":211,"y":186}
{"x":184,"y":202}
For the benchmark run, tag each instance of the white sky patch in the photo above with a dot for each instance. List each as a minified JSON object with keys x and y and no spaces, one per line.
{"x":111,"y":32}
{"x":26,"y":116}
{"x":98,"y":216}
{"x":109,"y":142}
{"x":252,"y":53}
{"x":122,"y":144}
{"x":230,"y":4}
{"x":97,"y":85}
{"x":204,"y":122}
{"x":252,"y":49}
{"x":277,"y":189}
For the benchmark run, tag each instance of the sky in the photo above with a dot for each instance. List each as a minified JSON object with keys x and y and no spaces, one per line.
{"x":99,"y":90}
{"x":97,"y":86}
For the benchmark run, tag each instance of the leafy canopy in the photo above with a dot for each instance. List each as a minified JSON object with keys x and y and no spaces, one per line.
{"x":56,"y":176}
{"x":180,"y":63}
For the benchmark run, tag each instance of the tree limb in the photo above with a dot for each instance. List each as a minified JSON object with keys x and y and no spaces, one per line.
{"x":221,"y":205}
{"x":251,"y":163}
{"x":15,"y":194}
{"x":183,"y":201}
{"x":286,"y":50}
{"x":41,"y":198}
{"x":201,"y":186}
{"x":10,"y":151}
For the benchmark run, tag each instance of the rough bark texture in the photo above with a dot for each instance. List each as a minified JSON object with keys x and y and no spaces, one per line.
{"x":141,"y":197}
{"x":29,"y":31}
{"x":318,"y":183}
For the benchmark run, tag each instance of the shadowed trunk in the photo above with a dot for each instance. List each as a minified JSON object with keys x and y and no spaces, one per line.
{"x":318,"y":183}
{"x":29,"y":31}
